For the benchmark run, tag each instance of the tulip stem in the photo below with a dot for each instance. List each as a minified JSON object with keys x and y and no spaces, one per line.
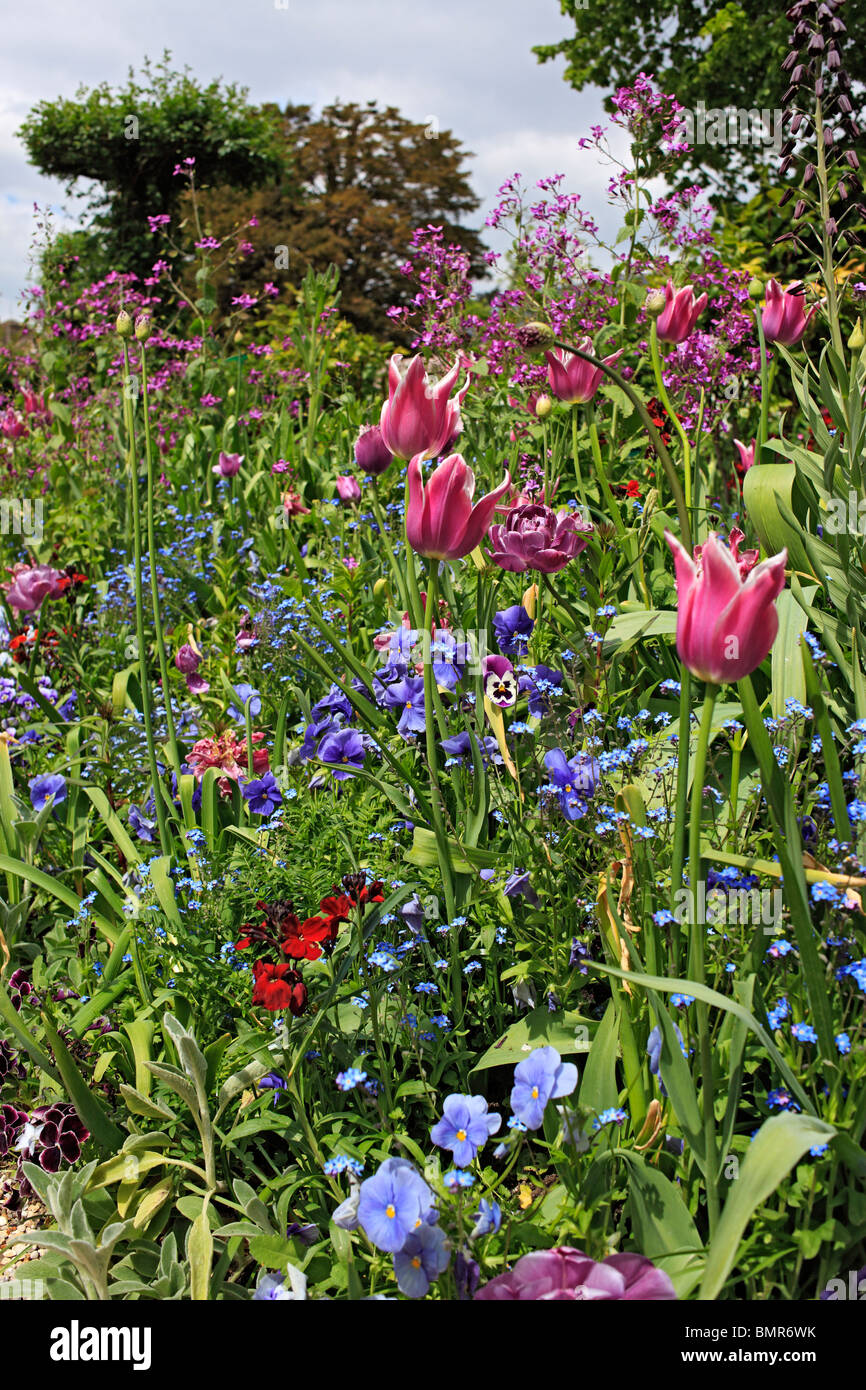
{"x":654,"y":436}
{"x":662,"y":390}
{"x":682,"y":800}
{"x":612,"y":503}
{"x":696,"y":954}
{"x":386,"y":541}
{"x":154,"y":585}
{"x":575,"y":450}
{"x":430,"y":731}
{"x":764,"y":426}
{"x":146,"y":710}
{"x":416,"y":612}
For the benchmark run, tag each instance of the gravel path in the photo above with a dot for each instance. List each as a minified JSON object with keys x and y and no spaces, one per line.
{"x":14,"y":1254}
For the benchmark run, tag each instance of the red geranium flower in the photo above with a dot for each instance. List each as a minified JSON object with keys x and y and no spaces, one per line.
{"x":279,"y":987}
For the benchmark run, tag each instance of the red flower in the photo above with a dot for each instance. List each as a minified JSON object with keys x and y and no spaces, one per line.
{"x":279,"y":987}
{"x":303,"y":938}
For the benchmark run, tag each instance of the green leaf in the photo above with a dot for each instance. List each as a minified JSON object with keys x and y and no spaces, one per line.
{"x":90,"y":1109}
{"x":539,"y":1028}
{"x":200,"y":1253}
{"x":720,"y":1001}
{"x":598,"y":1089}
{"x":675,"y":1073}
{"x":663,"y":1228}
{"x":780,"y":1143}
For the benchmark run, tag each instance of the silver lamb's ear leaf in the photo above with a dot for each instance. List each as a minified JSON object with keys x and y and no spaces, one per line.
{"x":177,"y":1082}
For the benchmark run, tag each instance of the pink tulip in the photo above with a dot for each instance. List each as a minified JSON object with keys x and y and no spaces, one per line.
{"x":348,"y":489}
{"x":31,"y":585}
{"x":11,"y":425}
{"x":33,"y":404}
{"x":371,"y":453}
{"x":567,"y":1275}
{"x":417,"y":418}
{"x":784,"y":319}
{"x":747,"y":454}
{"x":570,"y":378}
{"x":441,"y":521}
{"x":726,"y":617}
{"x":680,"y":314}
{"x":229,"y":465}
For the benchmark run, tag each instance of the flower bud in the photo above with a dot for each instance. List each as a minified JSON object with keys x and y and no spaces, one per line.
{"x":543,"y":407}
{"x":535,"y":338}
{"x":124,"y":324}
{"x":655,"y":303}
{"x":857,"y":340}
{"x":142,"y":327}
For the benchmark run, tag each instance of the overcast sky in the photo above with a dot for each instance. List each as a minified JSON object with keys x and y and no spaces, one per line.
{"x":467,"y":63}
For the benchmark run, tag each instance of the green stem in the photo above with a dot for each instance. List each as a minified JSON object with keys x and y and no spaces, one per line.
{"x":154,"y":585}
{"x":575,"y":453}
{"x":654,"y":436}
{"x":696,"y":955}
{"x":146,"y":709}
{"x":613,"y":505}
{"x":662,"y":390}
{"x":827,"y":271}
{"x":432,"y":754}
{"x":386,"y":541}
{"x":682,"y":800}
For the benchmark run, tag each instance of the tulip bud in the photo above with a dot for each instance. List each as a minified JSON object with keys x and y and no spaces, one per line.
{"x":124,"y":324}
{"x":142,"y":327}
{"x":655,"y":303}
{"x":543,"y":407}
{"x":857,"y":340}
{"x":380,"y":588}
{"x":535,"y":338}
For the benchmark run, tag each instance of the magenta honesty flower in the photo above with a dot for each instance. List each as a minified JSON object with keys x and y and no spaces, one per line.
{"x":726,"y":622}
{"x":372,"y":454}
{"x":784,"y":319}
{"x":229,"y":465}
{"x":680,"y":314}
{"x":565,"y":1274}
{"x":417,"y":418}
{"x":348,"y":488}
{"x":441,"y":521}
{"x":31,"y":585}
{"x":571,"y":379}
{"x":535,"y":537}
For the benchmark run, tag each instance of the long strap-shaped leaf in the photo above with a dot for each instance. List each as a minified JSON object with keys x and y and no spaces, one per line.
{"x":720,"y":1001}
{"x":779,"y":1144}
{"x":789,"y":846}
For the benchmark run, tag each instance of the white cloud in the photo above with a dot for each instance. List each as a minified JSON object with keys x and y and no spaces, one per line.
{"x":468,"y":63}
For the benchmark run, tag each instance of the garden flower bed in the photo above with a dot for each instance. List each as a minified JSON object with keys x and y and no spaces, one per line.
{"x":431,"y":794}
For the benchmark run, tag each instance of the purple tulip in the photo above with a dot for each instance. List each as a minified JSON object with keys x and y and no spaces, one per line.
{"x":229,"y":465}
{"x":372,"y":454}
{"x":565,"y":1274}
{"x":187,"y":659}
{"x":535,"y":537}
